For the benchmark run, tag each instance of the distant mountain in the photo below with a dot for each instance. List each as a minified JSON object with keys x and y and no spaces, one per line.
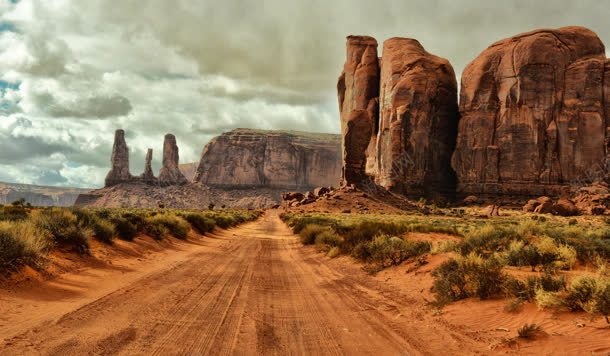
{"x":39,"y":195}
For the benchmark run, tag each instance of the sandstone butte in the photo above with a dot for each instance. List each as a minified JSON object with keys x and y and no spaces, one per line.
{"x":532,"y":117}
{"x":534,"y":110}
{"x":398,"y":117}
{"x":291,"y":160}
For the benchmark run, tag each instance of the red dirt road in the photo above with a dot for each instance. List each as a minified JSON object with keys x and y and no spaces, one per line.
{"x":252,"y":289}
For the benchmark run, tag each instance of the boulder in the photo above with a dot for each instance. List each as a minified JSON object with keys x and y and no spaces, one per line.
{"x":492,"y":210}
{"x":471,"y":199}
{"x":320,"y":191}
{"x":170,"y":173}
{"x":533,"y":114}
{"x":418,"y":120}
{"x":358,"y":92}
{"x":544,"y":206}
{"x":290,"y":196}
{"x":119,"y":171}
{"x":564,"y":207}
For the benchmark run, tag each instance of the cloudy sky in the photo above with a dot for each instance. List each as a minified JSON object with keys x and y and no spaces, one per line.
{"x":73,"y":71}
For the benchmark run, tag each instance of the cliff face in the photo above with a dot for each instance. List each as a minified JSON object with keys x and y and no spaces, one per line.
{"x":39,"y":195}
{"x":534,"y":112}
{"x":245,"y":158}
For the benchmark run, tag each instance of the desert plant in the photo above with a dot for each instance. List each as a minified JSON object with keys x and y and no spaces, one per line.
{"x":13,"y":213}
{"x":334,"y":252}
{"x":64,"y":228}
{"x":328,"y":238}
{"x":391,"y":250}
{"x":156,"y":230}
{"x":581,"y":293}
{"x":200,"y":222}
{"x":124,"y":229}
{"x":545,"y":299}
{"x":528,"y":331}
{"x":310,"y":232}
{"x":21,"y":243}
{"x":103,"y":230}
{"x":177,"y":226}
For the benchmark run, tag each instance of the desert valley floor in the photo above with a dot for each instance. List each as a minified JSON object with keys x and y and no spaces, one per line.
{"x":256,"y":289}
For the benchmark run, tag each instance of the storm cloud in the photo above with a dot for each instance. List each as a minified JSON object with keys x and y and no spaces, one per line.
{"x":71,"y":71}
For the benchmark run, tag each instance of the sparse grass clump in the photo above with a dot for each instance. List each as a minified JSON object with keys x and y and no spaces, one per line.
{"x":64,"y":227}
{"x":310,"y":232}
{"x":103,"y":230}
{"x":529,"y":331}
{"x":124,"y":229}
{"x":14,"y":213}
{"x":21,"y":243}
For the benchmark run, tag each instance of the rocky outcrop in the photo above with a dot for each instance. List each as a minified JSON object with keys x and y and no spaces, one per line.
{"x":534,"y":112}
{"x":170,"y":173}
{"x":119,"y":171}
{"x":246,"y":158}
{"x":148,"y":175}
{"x":358,"y":91}
{"x":398,"y":118}
{"x":418,"y":120}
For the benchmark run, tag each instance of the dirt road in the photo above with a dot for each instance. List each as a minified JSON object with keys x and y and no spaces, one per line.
{"x":252,"y":289}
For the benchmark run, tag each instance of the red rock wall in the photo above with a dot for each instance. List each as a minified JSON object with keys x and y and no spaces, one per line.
{"x":533,"y":114}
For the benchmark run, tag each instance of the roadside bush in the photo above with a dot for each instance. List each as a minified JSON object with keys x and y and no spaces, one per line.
{"x":103,"y":230}
{"x":581,"y":293}
{"x":488,"y":239}
{"x":310,"y":232}
{"x":177,"y":226}
{"x":526,"y":290}
{"x":21,"y":243}
{"x":64,"y":228}
{"x":391,"y":250}
{"x":200,"y":222}
{"x":334,"y":252}
{"x":469,"y":276}
{"x":225,"y":221}
{"x":124,"y":229}
{"x":13,"y":213}
{"x":156,"y":230}
{"x":328,"y":238}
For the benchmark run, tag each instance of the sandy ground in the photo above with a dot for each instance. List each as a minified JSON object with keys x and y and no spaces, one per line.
{"x":250,"y":290}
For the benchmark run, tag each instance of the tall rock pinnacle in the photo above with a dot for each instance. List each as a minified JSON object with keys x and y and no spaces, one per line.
{"x":148,"y":176}
{"x":170,"y":172}
{"x":119,"y":173}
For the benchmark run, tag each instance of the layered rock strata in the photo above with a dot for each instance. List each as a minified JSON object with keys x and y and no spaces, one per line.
{"x":119,"y":171}
{"x":170,"y":173}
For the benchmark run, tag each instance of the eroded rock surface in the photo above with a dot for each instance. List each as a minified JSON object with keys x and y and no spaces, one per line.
{"x":418,"y":120}
{"x":119,"y":171}
{"x":534,"y":114}
{"x":358,"y":91}
{"x":246,"y":158}
{"x":148,"y":176}
{"x":170,"y":173}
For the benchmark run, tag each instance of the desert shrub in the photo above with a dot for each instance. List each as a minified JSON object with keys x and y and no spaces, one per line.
{"x":334,"y":252}
{"x":200,"y":222}
{"x":328,"y":238}
{"x":156,"y":230}
{"x":444,"y":246}
{"x":391,"y":250}
{"x":21,"y":243}
{"x":587,"y":243}
{"x":135,"y":218}
{"x":177,"y":226}
{"x":469,"y":276}
{"x":64,"y":227}
{"x":602,"y":300}
{"x":299,"y":223}
{"x":488,"y":239}
{"x":514,"y":305}
{"x":225,"y":221}
{"x":545,"y":299}
{"x":103,"y":230}
{"x":581,"y":293}
{"x":528,"y":331}
{"x":526,"y":290}
{"x":310,"y":232}
{"x":13,"y":213}
{"x":542,"y":251}
{"x":124,"y":229}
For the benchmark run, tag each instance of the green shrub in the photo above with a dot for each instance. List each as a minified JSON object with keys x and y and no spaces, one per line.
{"x":329,"y":238}
{"x":200,"y":222}
{"x":488,"y":239}
{"x":334,"y":252}
{"x":581,"y":294}
{"x":103,"y":230}
{"x":64,"y":228}
{"x":469,"y":276}
{"x":156,"y":230}
{"x":124,"y":229}
{"x":310,"y":232}
{"x":391,"y":250}
{"x":13,"y":213}
{"x":225,"y":221}
{"x":177,"y":226}
{"x":21,"y":243}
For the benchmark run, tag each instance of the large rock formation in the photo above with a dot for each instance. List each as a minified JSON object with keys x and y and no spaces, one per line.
{"x":119,"y":171}
{"x":245,"y":158}
{"x":39,"y":195}
{"x":534,"y":112}
{"x":148,"y":176}
{"x":170,"y":173}
{"x":418,"y":120}
{"x":398,"y":121}
{"x":358,"y":90}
